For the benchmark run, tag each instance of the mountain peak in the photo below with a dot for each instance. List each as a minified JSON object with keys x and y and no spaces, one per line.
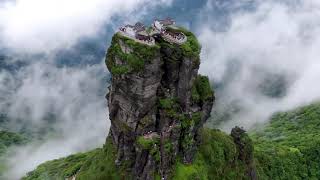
{"x":157,"y":101}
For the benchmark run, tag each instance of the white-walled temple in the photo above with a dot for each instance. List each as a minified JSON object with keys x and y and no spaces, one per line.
{"x":164,"y":28}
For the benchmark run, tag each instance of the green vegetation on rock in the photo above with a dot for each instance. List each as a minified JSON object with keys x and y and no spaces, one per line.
{"x":191,"y":48}
{"x":201,"y":90}
{"x":151,"y":144}
{"x":167,"y":103}
{"x":170,"y":107}
{"x":216,"y":158}
{"x":132,"y":61}
{"x":168,"y":146}
{"x":147,"y":143}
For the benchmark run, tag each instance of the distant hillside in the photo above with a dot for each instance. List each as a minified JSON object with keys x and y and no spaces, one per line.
{"x":7,"y":140}
{"x":289,"y":147}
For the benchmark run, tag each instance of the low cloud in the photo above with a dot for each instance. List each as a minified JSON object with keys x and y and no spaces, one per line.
{"x":40,"y":26}
{"x":64,"y":107}
{"x":271,"y":42}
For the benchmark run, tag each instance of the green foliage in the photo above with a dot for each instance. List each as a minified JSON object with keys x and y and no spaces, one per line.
{"x":147,"y":143}
{"x":191,"y":48}
{"x":168,"y":146}
{"x":155,"y":152}
{"x":167,"y":103}
{"x":145,"y":121}
{"x":97,"y":164}
{"x":187,"y":141}
{"x":187,"y":124}
{"x":190,"y":172}
{"x":8,"y":139}
{"x":123,"y":126}
{"x":151,"y":144}
{"x":61,"y":168}
{"x":288,"y":147}
{"x":196,"y":117}
{"x":216,"y":158}
{"x":142,"y":50}
{"x":131,"y":62}
{"x":201,"y":90}
{"x":248,"y":146}
{"x":118,"y":70}
{"x":101,"y":166}
{"x":170,"y":106}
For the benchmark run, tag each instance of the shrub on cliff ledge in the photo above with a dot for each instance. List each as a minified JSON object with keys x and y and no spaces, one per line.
{"x":147,"y":143}
{"x":201,"y":90}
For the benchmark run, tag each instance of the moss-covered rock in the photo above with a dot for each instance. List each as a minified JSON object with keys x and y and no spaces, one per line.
{"x":201,"y":90}
{"x":121,"y":62}
{"x":148,"y":143}
{"x":191,"y":48}
{"x":216,"y":158}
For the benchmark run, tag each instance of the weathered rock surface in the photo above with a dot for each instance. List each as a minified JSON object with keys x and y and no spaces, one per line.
{"x":157,"y":104}
{"x":245,"y":149}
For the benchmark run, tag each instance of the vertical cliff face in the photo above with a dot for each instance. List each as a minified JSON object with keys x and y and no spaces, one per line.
{"x":157,"y":104}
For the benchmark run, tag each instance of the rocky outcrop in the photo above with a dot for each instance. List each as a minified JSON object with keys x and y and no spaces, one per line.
{"x":157,"y":104}
{"x":245,"y":150}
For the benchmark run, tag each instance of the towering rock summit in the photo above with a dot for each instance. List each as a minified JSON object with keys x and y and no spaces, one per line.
{"x":157,"y":101}
{"x":158,"y":104}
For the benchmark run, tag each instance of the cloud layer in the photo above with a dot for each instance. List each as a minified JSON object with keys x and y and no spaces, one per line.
{"x":72,"y":97}
{"x":46,"y":25}
{"x":275,"y":40}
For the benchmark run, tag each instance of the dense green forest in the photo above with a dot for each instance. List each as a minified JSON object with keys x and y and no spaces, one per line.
{"x":289,"y":147}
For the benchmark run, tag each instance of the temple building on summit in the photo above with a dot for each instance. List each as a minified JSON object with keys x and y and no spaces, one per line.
{"x":165,"y":28}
